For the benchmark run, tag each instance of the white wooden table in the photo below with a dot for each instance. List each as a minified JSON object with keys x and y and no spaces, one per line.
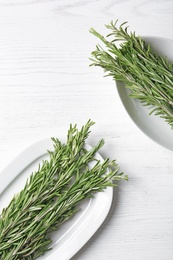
{"x":46,"y":84}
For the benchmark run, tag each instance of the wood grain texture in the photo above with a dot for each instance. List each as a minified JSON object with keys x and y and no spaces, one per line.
{"x":46,"y":84}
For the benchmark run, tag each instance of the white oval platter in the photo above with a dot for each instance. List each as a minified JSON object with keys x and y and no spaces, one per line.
{"x":73,"y":234}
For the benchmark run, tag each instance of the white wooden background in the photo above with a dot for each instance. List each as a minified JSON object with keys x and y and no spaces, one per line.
{"x":46,"y":84}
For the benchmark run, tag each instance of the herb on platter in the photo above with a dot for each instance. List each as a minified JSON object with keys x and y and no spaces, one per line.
{"x":52,"y":195}
{"x":129,"y":59}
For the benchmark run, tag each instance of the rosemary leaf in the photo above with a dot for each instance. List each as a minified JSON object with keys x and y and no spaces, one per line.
{"x":52,"y":195}
{"x":128,"y":58}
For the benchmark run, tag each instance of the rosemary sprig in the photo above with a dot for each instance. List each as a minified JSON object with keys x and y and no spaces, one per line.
{"x":128,"y":58}
{"x":52,"y":194}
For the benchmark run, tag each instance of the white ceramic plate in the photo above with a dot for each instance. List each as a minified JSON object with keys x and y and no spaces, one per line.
{"x":153,"y":126}
{"x":73,"y":234}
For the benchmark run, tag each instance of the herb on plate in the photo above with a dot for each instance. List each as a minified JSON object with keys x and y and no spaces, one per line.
{"x":52,"y":195}
{"x":129,"y":59}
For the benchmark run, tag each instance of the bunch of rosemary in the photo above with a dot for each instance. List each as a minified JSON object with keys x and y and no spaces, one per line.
{"x":52,"y":194}
{"x":129,"y":59}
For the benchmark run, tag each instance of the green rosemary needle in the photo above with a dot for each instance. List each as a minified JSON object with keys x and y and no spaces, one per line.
{"x":52,"y":194}
{"x":129,"y":59}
